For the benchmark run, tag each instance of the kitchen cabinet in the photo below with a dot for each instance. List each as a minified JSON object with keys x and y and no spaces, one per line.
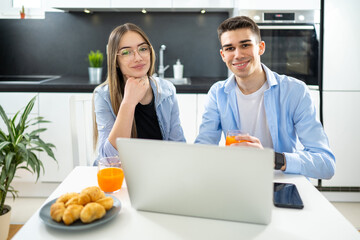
{"x":341,"y":90}
{"x":78,"y":4}
{"x":191,"y":110}
{"x":7,"y":11}
{"x":120,"y":5}
{"x":341,"y":122}
{"x":55,"y":107}
{"x":277,"y":4}
{"x":315,"y":96}
{"x":341,"y":63}
{"x":188,"y":108}
{"x":15,"y":101}
{"x":141,"y":4}
{"x":203,"y":4}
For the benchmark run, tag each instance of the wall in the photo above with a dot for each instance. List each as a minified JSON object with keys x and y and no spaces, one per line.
{"x":59,"y":44}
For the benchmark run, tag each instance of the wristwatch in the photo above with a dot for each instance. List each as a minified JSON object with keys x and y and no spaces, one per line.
{"x":279,"y":160}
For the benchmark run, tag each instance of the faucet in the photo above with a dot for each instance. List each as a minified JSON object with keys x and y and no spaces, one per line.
{"x":162,"y":69}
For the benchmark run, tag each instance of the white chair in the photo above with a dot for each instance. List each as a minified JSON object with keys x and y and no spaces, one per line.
{"x":82,"y":129}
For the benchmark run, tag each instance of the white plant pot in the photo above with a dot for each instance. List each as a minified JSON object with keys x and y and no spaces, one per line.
{"x":95,"y":75}
{"x":5,"y":223}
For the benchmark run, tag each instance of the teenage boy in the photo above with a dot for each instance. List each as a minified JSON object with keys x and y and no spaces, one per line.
{"x":275,"y":110}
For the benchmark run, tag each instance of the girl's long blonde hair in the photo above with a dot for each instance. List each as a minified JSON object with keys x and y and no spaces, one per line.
{"x":115,"y":78}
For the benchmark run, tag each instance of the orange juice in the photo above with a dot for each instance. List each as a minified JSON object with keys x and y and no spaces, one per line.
{"x":110,"y":179}
{"x":231,"y":139}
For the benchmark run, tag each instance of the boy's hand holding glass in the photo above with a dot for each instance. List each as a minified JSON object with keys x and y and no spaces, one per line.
{"x":235,"y":136}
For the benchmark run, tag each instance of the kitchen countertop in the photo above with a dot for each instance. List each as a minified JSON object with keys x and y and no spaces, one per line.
{"x":82,"y":84}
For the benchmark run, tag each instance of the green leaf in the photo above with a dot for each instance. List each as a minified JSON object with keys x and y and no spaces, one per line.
{"x":18,"y":139}
{"x":26,"y":112}
{"x":45,"y":146}
{"x":11,"y":173}
{"x":4,"y":144}
{"x":13,"y":131}
{"x":35,"y":132}
{"x":95,"y":59}
{"x":8,"y":161}
{"x":27,"y":137}
{"x":36,"y":165}
{"x":24,"y":167}
{"x":3,"y":136}
{"x":2,"y":178}
{"x":7,"y":123}
{"x":13,"y":123}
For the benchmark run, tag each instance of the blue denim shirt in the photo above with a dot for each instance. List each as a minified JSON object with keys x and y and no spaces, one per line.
{"x":291,"y":116}
{"x":167,"y":111}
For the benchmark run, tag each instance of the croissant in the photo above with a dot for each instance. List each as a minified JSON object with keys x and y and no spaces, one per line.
{"x":106,"y":202}
{"x":72,"y":213}
{"x":57,"y":210}
{"x":72,"y":201}
{"x":65,"y":197}
{"x":91,"y":212}
{"x":90,"y":194}
{"x":84,"y":199}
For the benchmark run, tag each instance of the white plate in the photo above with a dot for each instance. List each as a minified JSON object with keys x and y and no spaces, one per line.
{"x":78,"y":225}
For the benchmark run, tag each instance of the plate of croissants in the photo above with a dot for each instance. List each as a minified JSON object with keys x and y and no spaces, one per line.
{"x":76,"y":211}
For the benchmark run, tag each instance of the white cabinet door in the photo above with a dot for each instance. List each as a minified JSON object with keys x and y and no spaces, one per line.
{"x":341,"y":63}
{"x":33,"y":9}
{"x":315,"y":96}
{"x":341,"y":122}
{"x":12,"y":102}
{"x":141,"y":4}
{"x":201,"y":100}
{"x":55,"y":108}
{"x":187,"y":108}
{"x":278,"y":4}
{"x":78,"y":3}
{"x":203,"y":4}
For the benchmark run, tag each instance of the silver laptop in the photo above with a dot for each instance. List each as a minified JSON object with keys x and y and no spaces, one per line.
{"x":227,"y":183}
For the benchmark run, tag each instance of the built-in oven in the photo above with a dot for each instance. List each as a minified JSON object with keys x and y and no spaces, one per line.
{"x":291,"y":42}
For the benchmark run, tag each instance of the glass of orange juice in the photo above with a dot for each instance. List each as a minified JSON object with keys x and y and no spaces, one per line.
{"x":110,"y":174}
{"x":230,"y":137}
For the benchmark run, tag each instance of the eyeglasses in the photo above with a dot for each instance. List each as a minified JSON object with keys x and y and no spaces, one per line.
{"x":128,"y":53}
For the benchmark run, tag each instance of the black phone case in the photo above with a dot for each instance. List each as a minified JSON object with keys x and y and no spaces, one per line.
{"x":286,"y":195}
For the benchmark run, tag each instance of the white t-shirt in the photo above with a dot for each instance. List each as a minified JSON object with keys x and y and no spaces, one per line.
{"x":253,"y":116}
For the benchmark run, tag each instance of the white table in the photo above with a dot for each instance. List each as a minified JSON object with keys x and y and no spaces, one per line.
{"x":318,"y":220}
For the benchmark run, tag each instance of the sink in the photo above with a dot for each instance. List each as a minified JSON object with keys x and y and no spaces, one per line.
{"x":26,"y":79}
{"x":181,"y":81}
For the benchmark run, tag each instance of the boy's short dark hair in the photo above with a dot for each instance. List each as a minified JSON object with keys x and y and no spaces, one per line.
{"x":239,"y":22}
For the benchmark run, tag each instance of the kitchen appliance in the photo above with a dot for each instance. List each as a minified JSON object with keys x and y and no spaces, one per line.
{"x":291,"y":41}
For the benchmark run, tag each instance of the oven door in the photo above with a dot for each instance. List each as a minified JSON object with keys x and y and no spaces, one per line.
{"x":292,"y":50}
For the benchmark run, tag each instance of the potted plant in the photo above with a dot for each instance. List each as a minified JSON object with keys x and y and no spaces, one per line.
{"x":18,"y":146}
{"x":95,"y":69}
{"x":22,"y":12}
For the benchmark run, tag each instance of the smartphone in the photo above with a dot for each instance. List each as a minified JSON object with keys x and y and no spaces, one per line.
{"x":286,"y":195}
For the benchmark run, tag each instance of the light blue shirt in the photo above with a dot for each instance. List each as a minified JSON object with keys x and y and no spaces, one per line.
{"x":290,"y":114}
{"x":167,"y":111}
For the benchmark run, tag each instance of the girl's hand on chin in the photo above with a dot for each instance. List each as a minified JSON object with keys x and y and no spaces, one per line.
{"x":135,"y":89}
